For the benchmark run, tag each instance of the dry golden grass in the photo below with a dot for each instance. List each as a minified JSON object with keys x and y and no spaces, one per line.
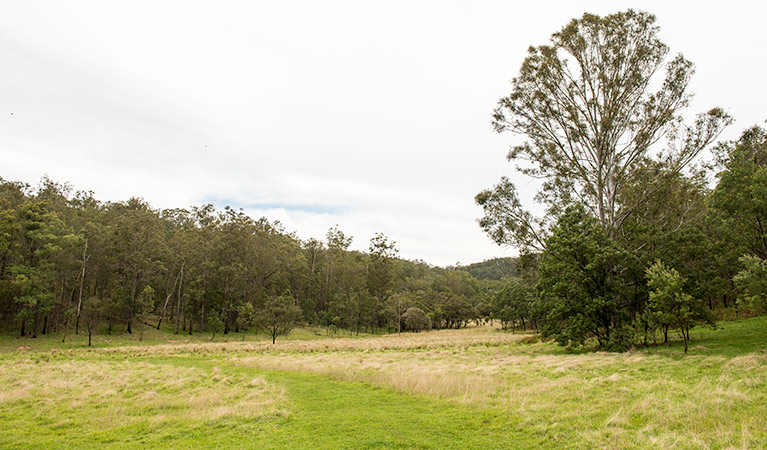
{"x":475,"y":336}
{"x":123,"y":392}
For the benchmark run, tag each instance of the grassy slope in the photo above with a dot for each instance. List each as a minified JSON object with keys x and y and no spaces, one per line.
{"x":466,"y":389}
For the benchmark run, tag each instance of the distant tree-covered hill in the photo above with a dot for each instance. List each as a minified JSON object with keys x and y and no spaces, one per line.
{"x":493,"y":269}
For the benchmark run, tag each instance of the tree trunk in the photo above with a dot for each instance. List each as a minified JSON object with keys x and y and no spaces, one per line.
{"x":134,"y":285}
{"x":34,"y":325}
{"x":178,"y":307}
{"x":170,"y":294}
{"x":202,"y":317}
{"x":82,"y":282}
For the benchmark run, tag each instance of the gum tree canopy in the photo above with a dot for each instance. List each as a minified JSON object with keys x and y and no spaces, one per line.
{"x":592,"y":105}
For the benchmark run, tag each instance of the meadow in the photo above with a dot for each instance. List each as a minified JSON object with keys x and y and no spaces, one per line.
{"x":471,"y":388}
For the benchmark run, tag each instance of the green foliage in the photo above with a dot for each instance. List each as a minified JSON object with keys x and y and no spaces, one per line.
{"x":493,"y":269}
{"x":669,"y":305}
{"x":92,"y":313}
{"x":580,"y":283}
{"x":246,"y":317}
{"x":279,"y":316}
{"x":752,"y":282}
{"x":144,"y":305}
{"x":515,"y":304}
{"x":416,"y":320}
{"x":741,"y":194}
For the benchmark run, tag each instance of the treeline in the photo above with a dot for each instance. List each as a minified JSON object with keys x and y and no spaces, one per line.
{"x":689,"y":255}
{"x":69,"y":262}
{"x":493,"y":269}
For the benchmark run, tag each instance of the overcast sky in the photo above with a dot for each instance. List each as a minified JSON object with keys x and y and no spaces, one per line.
{"x":370,"y":115}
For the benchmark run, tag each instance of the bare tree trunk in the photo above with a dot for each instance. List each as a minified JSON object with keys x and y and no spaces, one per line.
{"x":82,"y":282}
{"x":134,"y":284}
{"x":170,"y":293}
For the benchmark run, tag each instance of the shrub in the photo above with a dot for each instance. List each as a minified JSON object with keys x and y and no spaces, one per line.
{"x":416,"y":320}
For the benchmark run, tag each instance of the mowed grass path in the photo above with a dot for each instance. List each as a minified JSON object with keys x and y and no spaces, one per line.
{"x":475,"y":388}
{"x":316,"y":412}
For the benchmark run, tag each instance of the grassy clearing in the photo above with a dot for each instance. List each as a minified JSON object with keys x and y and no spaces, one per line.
{"x":473,"y":388}
{"x":715,"y":397}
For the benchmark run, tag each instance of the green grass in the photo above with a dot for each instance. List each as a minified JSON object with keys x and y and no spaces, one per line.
{"x":473,"y":388}
{"x":318,"y":412}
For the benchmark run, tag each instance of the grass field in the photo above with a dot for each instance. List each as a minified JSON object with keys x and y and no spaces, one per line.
{"x":471,"y":388}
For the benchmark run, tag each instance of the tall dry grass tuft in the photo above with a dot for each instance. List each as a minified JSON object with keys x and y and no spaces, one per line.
{"x":124,"y":392}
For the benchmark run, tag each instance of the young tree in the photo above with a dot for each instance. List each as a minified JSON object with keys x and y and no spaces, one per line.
{"x":279,"y":316}
{"x":246,"y":317}
{"x":66,"y":320}
{"x":214,"y":324}
{"x":91,"y":313}
{"x":669,"y":305}
{"x":399,"y":303}
{"x":586,"y":103}
{"x":381,"y":270}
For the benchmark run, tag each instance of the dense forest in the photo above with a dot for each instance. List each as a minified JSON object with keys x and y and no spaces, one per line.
{"x":71,"y":262}
{"x":493,"y":269}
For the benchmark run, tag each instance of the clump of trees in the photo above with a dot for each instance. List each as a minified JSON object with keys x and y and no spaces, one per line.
{"x":634,"y":240}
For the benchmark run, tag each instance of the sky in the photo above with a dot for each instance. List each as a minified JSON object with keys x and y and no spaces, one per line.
{"x":371,"y":115}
